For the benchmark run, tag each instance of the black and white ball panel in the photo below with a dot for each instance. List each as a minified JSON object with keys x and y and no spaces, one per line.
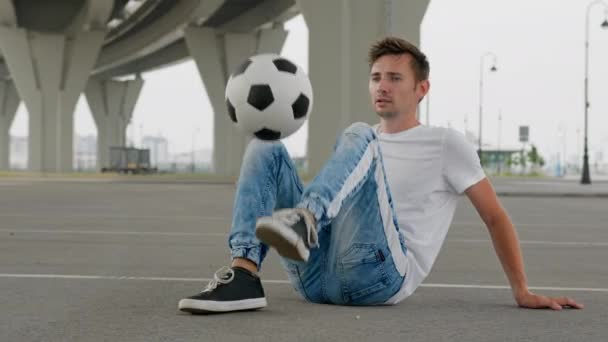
{"x":285,"y":66}
{"x":260,"y":96}
{"x":269,"y":96}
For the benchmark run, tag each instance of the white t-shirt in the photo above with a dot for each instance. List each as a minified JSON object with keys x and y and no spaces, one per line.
{"x":427,"y":168}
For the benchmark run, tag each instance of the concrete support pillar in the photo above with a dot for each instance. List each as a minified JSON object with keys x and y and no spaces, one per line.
{"x":112,"y":103}
{"x":216,"y":54}
{"x":49,"y":70}
{"x":340,"y":33}
{"x":9,"y":101}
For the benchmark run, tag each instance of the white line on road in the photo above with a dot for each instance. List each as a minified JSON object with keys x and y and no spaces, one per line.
{"x":173,"y":279}
{"x":107,"y":232}
{"x":504,"y":287}
{"x":120,"y":217}
{"x":227,"y":218}
{"x":539,"y":242}
{"x":223,"y":235}
{"x":544,"y":225}
{"x":110,"y":277}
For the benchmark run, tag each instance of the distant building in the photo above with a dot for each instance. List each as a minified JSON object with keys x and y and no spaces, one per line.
{"x":159,"y":150}
{"x":85,"y":153}
{"x":199,"y":161}
{"x":18,"y":152}
{"x":498,"y":161}
{"x":601,"y":156}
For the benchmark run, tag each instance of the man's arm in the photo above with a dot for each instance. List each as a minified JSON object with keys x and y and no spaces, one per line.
{"x":506,"y":245}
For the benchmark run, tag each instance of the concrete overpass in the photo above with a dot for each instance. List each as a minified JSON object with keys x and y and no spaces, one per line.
{"x":52,"y":52}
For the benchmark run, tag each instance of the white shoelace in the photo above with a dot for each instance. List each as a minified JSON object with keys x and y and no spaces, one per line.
{"x":222,"y":276}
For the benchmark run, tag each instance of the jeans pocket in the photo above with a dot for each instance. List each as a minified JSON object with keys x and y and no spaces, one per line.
{"x":363,"y":276}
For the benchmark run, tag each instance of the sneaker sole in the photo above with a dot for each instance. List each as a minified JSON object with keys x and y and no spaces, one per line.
{"x":209,"y":306}
{"x":287,"y":243}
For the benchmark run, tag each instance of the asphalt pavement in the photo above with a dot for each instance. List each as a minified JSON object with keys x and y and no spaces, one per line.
{"x":108,"y":259}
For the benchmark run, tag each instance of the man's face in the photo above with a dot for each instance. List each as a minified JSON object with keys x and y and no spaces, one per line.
{"x":393,"y":87}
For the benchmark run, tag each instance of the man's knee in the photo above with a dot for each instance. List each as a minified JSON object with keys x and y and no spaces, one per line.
{"x":357,"y":129}
{"x":259,"y":150}
{"x":361,"y":129}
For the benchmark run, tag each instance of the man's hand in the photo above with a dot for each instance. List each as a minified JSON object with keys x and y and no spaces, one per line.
{"x":533,"y":301}
{"x":506,"y":244}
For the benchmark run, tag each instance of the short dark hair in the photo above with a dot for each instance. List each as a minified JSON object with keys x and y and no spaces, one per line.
{"x":399,"y":46}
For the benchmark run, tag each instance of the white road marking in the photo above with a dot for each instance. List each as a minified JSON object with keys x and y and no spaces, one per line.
{"x":223,"y":235}
{"x":110,"y":277}
{"x":227,"y":218}
{"x":271,"y":281}
{"x":107,"y":232}
{"x":13,"y":184}
{"x":504,"y":287}
{"x":547,"y":225}
{"x":539,"y":242}
{"x":121,"y":217}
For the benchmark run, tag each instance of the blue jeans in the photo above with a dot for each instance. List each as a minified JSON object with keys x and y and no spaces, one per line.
{"x":361,"y":258}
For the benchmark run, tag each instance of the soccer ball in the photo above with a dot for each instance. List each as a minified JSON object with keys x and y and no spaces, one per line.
{"x":269,"y":97}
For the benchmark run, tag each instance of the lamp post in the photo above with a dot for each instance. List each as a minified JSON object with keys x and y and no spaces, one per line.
{"x":586,"y":178}
{"x":499,"y":136}
{"x":481,"y":72}
{"x":192,"y":151}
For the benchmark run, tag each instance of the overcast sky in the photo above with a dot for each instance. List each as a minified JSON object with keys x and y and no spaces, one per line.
{"x":539,"y":82}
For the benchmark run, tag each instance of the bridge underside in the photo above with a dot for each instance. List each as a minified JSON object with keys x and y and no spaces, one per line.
{"x":52,"y":53}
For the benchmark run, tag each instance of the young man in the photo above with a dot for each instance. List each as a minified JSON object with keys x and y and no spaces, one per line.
{"x":368,"y":228}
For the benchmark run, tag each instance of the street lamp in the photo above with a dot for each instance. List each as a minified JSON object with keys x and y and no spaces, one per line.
{"x":499,"y":136}
{"x":586,"y":178}
{"x":481,"y":72}
{"x":192,"y":151}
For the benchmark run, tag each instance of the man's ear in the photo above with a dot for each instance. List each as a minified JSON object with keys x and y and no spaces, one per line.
{"x":423,"y":88}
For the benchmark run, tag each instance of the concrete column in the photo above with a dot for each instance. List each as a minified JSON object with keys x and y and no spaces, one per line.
{"x":340,"y":33}
{"x":49,"y":70}
{"x":9,"y":101}
{"x":216,"y":54}
{"x":112,"y":103}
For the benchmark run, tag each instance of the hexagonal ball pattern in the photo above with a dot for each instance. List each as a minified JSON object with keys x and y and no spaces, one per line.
{"x":260,"y":96}
{"x":300,"y":106}
{"x":284,"y":65}
{"x":267,"y":134}
{"x":231,"y":111}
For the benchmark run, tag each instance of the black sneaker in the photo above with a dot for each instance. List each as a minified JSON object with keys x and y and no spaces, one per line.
{"x":291,"y":232}
{"x":232,"y":289}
